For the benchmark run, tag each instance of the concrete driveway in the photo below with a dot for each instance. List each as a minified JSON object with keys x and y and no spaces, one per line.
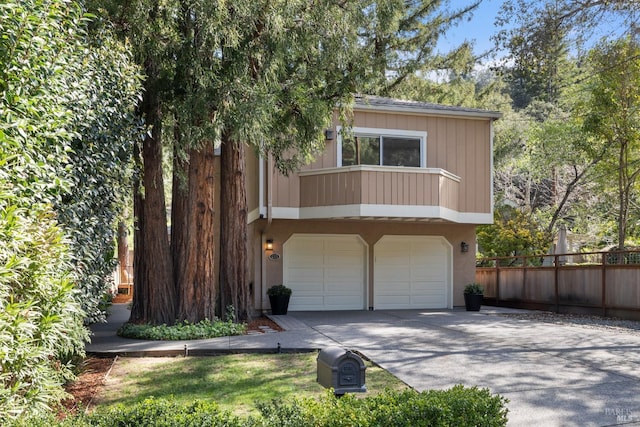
{"x":553,"y":375}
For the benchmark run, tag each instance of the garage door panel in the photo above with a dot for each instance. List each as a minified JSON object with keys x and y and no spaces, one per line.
{"x":411,"y":272}
{"x":306,"y":303}
{"x":337,"y":283}
{"x":349,"y":259}
{"x":338,"y":245}
{"x":395,"y":301}
{"x":391,"y":273}
{"x":342,"y":301}
{"x":325,"y":272}
{"x":424,"y":274}
{"x":305,"y":275}
{"x":394,"y":288}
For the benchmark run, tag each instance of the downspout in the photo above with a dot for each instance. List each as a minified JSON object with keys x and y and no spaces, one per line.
{"x":269,"y":191}
{"x":263,"y":239}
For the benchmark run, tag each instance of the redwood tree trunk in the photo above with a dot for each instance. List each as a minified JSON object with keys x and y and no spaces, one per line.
{"x":179,"y":209}
{"x":233,"y":231}
{"x":154,"y":291}
{"x":196,"y":279}
{"x":139,"y":306}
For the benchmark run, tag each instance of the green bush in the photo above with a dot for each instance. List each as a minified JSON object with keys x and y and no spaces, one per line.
{"x":182,"y":331}
{"x":459,"y":406}
{"x":148,"y":413}
{"x":66,"y":108}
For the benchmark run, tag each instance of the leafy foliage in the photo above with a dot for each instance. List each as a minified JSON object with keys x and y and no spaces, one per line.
{"x":149,"y":413}
{"x":51,"y":94}
{"x":279,"y":290}
{"x":100,"y":168}
{"x":40,"y":319}
{"x":614,"y":119}
{"x":458,"y":406}
{"x":183,"y":330}
{"x":474,"y":289}
{"x":512,"y":233}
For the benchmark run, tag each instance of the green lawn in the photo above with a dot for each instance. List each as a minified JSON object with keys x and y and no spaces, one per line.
{"x":235,"y":382}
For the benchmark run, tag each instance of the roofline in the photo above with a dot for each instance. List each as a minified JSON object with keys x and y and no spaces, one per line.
{"x":375,"y":103}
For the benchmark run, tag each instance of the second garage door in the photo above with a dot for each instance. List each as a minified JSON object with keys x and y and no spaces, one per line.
{"x":325,"y":272}
{"x":412,"y":272}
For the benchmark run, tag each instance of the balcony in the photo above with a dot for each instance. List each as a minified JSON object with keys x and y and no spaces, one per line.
{"x":378,"y":191}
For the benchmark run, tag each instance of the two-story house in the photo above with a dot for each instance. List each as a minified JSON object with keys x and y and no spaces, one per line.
{"x":384,"y":219}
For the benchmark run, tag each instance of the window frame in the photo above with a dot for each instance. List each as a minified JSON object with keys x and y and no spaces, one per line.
{"x":381,"y":133}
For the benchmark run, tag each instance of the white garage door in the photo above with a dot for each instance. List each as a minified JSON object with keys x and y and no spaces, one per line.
{"x":412,"y":272}
{"x":325,"y":272}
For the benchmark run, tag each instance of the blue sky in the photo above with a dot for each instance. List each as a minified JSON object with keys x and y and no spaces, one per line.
{"x":481,"y":27}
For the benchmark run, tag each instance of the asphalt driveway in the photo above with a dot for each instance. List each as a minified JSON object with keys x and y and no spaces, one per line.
{"x":553,"y":375}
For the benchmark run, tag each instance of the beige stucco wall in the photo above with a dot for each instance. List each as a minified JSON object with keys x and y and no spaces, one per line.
{"x":267,"y":272}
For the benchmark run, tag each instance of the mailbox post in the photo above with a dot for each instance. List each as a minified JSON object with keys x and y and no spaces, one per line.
{"x":342,"y":370}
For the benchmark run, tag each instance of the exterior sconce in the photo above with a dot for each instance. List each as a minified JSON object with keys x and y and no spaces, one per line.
{"x":328,"y":134}
{"x":464,"y":247}
{"x":269,"y":245}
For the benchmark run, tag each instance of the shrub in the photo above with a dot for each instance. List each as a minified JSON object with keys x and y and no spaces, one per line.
{"x":278,"y":290}
{"x":473,"y":289}
{"x":148,"y":413}
{"x":67,"y":103}
{"x":182,"y":331}
{"x":458,"y":406}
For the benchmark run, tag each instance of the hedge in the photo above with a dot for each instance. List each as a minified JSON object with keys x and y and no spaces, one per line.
{"x":458,"y":406}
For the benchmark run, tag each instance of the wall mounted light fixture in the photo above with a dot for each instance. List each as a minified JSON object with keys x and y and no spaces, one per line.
{"x":328,"y":134}
{"x":268,"y":245}
{"x":464,"y":247}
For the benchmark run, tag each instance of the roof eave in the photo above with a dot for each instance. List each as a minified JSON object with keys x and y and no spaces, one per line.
{"x":476,"y":114}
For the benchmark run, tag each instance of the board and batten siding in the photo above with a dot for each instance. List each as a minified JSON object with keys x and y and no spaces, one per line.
{"x":460,"y":146}
{"x":354,"y":185}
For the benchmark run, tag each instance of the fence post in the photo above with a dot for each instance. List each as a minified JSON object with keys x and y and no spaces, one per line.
{"x":497,"y":282}
{"x":556,"y":261}
{"x":604,"y":285}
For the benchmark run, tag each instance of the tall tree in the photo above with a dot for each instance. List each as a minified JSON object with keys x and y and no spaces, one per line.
{"x":614,"y":117}
{"x":403,"y":35}
{"x":150,"y":27}
{"x":544,"y":33}
{"x":266,"y":75}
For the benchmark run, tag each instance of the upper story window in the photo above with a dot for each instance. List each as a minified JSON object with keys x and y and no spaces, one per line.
{"x":382,"y":147}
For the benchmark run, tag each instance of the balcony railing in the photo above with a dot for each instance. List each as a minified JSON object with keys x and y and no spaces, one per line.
{"x":379,"y":185}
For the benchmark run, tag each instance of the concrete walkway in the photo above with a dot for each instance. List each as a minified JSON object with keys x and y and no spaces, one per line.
{"x":553,"y":375}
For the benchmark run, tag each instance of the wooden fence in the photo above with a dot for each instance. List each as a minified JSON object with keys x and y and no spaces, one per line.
{"x":602,"y":283}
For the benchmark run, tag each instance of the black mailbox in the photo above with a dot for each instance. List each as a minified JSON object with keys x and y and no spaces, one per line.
{"x":342,"y":370}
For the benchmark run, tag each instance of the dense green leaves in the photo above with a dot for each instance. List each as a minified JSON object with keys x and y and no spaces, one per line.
{"x":56,"y":97}
{"x":458,"y":406}
{"x":99,"y":167}
{"x":614,"y":118}
{"x":183,"y":330}
{"x":512,"y":233}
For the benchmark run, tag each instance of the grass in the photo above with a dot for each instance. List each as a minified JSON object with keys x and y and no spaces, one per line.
{"x":235,"y":382}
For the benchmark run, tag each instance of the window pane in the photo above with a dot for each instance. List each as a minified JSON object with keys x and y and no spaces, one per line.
{"x":349,"y":152}
{"x":369,"y":150}
{"x":400,"y":151}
